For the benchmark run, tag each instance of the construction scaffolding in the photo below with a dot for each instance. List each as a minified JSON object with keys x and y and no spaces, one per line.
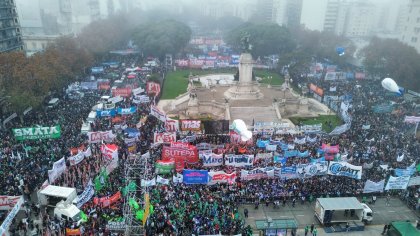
{"x":135,"y":170}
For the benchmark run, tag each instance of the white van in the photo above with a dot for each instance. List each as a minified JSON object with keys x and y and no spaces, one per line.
{"x":367,"y":214}
{"x":53,"y":103}
{"x":67,"y":211}
{"x":91,"y":117}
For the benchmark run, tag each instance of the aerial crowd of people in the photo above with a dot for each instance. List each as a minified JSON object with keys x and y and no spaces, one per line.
{"x":374,"y":141}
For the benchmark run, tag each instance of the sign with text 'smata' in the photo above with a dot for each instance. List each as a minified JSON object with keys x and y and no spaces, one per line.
{"x":37,"y":133}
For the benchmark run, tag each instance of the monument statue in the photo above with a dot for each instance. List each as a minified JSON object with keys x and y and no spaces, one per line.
{"x":246,"y":46}
{"x":245,"y":88}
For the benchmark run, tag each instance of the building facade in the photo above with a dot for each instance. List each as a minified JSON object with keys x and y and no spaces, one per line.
{"x":411,"y":28}
{"x":10,"y":32}
{"x":354,"y":19}
{"x":283,"y":12}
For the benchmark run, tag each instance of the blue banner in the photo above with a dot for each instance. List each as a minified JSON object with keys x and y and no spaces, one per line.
{"x":319,"y":160}
{"x":93,"y":85}
{"x":195,"y":176}
{"x":97,"y":70}
{"x":127,"y":111}
{"x":280,"y":159}
{"x":303,"y":154}
{"x":262,"y":143}
{"x":132,"y":133}
{"x":291,"y":153}
{"x":106,"y":113}
{"x":404,"y":172}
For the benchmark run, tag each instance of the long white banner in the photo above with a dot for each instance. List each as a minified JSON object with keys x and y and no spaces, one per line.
{"x":58,"y":168}
{"x":345,"y":169}
{"x":397,"y":182}
{"x":164,"y":137}
{"x":76,"y":159}
{"x":4,"y":227}
{"x":257,"y":173}
{"x":86,"y":195}
{"x":221,"y":177}
{"x":239,"y":160}
{"x":371,"y":187}
{"x":154,"y":111}
{"x":211,"y":159}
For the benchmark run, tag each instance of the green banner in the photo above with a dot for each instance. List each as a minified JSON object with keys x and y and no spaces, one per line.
{"x":37,"y":133}
{"x":164,"y":168}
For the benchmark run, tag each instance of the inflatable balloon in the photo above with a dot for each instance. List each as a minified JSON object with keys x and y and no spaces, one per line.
{"x":390,"y":85}
{"x":340,"y":51}
{"x":239,"y":127}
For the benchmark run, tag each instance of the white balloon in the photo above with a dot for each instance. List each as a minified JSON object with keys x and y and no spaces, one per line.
{"x":239,"y":127}
{"x":390,"y":85}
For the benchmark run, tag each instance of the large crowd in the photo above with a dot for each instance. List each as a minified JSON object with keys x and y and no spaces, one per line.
{"x":180,"y":209}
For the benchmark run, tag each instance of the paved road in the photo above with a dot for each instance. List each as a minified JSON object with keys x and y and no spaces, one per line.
{"x":304,"y":215}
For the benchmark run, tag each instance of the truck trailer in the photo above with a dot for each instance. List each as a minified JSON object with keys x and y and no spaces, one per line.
{"x":342,"y":210}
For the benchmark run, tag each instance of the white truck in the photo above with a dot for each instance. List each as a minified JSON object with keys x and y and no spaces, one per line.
{"x":61,"y":198}
{"x":342,"y":210}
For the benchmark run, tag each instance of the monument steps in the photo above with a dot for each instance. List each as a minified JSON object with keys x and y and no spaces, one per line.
{"x":247,"y":114}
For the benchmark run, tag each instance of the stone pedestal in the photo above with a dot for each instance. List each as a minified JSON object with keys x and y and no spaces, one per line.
{"x":245,"y":89}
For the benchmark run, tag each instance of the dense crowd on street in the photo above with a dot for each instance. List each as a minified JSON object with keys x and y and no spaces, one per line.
{"x":181,"y":209}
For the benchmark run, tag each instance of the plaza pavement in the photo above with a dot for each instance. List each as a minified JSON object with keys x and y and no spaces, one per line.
{"x":304,"y":215}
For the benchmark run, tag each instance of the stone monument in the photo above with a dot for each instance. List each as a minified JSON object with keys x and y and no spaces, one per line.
{"x":245,"y":88}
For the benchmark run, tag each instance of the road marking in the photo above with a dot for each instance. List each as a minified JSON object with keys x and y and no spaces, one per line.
{"x":391,"y":211}
{"x":300,"y":215}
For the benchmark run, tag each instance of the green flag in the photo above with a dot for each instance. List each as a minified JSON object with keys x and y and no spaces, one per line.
{"x":101,"y":180}
{"x":418,"y":167}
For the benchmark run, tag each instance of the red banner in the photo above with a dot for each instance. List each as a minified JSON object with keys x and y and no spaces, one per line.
{"x":164,"y":137}
{"x":190,"y":125}
{"x":123,"y":92}
{"x":107,"y":201}
{"x":330,"y":151}
{"x":153,"y":88}
{"x":171,"y":125}
{"x":105,"y":85}
{"x":180,"y":155}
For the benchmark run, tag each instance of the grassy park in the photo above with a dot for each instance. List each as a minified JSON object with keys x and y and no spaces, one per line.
{"x":321,"y":119}
{"x":176,"y":82}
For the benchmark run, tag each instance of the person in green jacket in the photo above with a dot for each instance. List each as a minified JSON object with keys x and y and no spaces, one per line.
{"x":306,"y":230}
{"x":315,"y":232}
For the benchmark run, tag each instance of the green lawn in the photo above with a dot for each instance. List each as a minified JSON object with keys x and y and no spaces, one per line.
{"x":176,"y":82}
{"x":335,"y":121}
{"x":264,"y":74}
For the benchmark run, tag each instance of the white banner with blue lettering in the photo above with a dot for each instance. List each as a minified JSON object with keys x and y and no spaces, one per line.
{"x":239,"y":160}
{"x":312,"y":169}
{"x":397,"y":182}
{"x":86,"y":195}
{"x":371,"y":187}
{"x":345,"y":169}
{"x":211,"y":159}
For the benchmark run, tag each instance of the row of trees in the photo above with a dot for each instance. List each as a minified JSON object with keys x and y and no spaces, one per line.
{"x":27,"y":80}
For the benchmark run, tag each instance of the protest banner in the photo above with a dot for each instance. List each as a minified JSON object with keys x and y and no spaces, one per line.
{"x":221,"y":177}
{"x":164,"y":167}
{"x":195,"y":176}
{"x":8,"y":202}
{"x":116,"y":226}
{"x":52,"y":132}
{"x":4,"y":227}
{"x":257,"y":173}
{"x":239,"y":160}
{"x":122,"y":92}
{"x":180,"y":155}
{"x":164,"y":137}
{"x":211,"y":159}
{"x":152,"y":88}
{"x":86,"y":195}
{"x":267,"y":156}
{"x":345,"y":169}
{"x":312,"y":169}
{"x":106,"y":113}
{"x":109,"y":151}
{"x":372,"y":187}
{"x":154,"y":111}
{"x":397,"y":182}
{"x":287,"y":172}
{"x":126,"y":111}
{"x":58,"y":168}
{"x":107,"y":201}
{"x":171,"y":125}
{"x":190,"y":125}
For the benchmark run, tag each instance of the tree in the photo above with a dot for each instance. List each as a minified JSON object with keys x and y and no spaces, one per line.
{"x":266,"y":39}
{"x":159,"y":38}
{"x":391,"y":58}
{"x":99,"y":37}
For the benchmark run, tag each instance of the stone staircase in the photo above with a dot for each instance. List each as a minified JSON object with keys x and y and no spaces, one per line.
{"x":263,"y":114}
